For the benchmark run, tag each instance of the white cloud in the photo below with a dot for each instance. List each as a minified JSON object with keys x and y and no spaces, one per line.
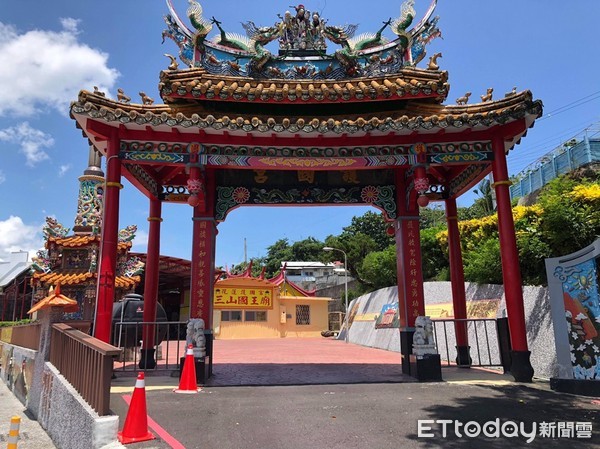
{"x":64,"y":169}
{"x":48,"y":69}
{"x":17,"y":236}
{"x":32,"y":141}
{"x":140,"y":242}
{"x":2,"y":177}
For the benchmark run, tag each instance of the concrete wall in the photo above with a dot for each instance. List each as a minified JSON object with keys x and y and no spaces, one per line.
{"x":540,"y":333}
{"x":58,"y":407}
{"x":16,"y":369}
{"x":68,"y":419}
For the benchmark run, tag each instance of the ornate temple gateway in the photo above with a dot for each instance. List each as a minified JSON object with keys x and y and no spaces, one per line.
{"x":328,"y":118}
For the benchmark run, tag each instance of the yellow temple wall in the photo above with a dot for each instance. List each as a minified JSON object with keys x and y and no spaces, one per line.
{"x":273,"y":327}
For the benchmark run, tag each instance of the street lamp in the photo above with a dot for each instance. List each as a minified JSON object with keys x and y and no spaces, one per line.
{"x":329,"y":248}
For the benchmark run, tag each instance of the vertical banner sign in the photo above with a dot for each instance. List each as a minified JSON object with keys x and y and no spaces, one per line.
{"x":413,"y":272}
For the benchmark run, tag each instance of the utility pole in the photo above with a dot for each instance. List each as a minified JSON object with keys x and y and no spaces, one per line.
{"x":245,"y":251}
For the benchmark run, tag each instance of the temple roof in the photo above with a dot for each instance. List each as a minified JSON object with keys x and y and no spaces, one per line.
{"x":196,"y":84}
{"x":412,"y":116}
{"x":76,"y":278}
{"x":76,"y":241}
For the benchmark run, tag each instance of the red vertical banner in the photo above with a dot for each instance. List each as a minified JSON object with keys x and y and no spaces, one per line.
{"x":413,"y":274}
{"x":410,"y":273}
{"x":203,"y":252}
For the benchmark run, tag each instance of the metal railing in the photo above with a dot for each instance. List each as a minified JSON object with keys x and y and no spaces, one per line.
{"x":558,"y":162}
{"x":483,"y":338}
{"x":169,"y":344}
{"x":86,"y":363}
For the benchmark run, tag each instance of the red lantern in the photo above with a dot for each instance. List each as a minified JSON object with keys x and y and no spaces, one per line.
{"x":423,"y":200}
{"x":391,"y":231}
{"x":193,"y":200}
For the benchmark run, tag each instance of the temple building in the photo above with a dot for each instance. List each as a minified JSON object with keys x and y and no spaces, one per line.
{"x":334,"y":118}
{"x":71,"y":259}
{"x":255,"y":307}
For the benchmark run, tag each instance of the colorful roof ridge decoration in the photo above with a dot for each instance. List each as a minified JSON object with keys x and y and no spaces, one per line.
{"x":84,"y":240}
{"x":55,"y":299}
{"x":409,"y":83}
{"x":122,"y":281}
{"x":414,"y":116}
{"x":281,"y":279}
{"x":277,"y":280}
{"x":303,"y":39}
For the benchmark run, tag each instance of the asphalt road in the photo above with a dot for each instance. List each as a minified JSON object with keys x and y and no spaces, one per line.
{"x":358,"y":416}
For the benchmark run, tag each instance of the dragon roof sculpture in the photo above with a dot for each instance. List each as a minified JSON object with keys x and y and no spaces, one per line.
{"x":303,"y":39}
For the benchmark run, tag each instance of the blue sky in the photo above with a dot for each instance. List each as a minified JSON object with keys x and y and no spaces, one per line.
{"x":51,"y":50}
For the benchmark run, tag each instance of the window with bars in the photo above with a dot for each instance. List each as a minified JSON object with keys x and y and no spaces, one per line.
{"x":302,"y":314}
{"x":255,"y":316}
{"x":231,"y":315}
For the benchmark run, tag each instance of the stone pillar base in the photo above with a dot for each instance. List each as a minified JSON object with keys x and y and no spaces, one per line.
{"x":520,"y":367}
{"x":406,"y":344}
{"x":427,"y":367}
{"x":463,"y":357}
{"x":147,"y":360}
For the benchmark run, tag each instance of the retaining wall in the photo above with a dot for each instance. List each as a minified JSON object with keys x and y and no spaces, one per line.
{"x":540,"y":333}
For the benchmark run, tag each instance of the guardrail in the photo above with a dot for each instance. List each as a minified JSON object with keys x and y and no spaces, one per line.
{"x":86,"y":363}
{"x":486,"y":341}
{"x":169,"y":344}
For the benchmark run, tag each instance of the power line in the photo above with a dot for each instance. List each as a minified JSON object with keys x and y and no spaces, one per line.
{"x":569,"y":106}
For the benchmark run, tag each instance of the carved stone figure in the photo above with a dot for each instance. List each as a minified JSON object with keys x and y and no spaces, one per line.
{"x":423,"y":340}
{"x":195,"y":336}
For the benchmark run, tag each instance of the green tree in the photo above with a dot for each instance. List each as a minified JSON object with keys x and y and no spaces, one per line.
{"x":379,"y":268}
{"x":373,"y":225}
{"x":432,"y":217}
{"x":483,"y":265}
{"x":484,"y":205}
{"x":569,"y":223}
{"x":435,"y":259}
{"x":277,"y":253}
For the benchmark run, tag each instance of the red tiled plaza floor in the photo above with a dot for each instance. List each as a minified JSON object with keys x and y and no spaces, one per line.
{"x":296,"y":361}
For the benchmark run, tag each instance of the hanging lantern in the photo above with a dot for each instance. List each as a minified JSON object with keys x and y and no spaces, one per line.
{"x":423,"y":200}
{"x":193,"y":200}
{"x":390,"y":230}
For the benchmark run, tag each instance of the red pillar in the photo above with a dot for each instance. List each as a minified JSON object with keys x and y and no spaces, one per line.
{"x":108,"y":249}
{"x":457,"y":280}
{"x":521,"y":368}
{"x":147,"y":359}
{"x":409,"y":271}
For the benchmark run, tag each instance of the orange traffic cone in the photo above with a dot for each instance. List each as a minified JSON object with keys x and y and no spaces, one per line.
{"x":187,"y":383}
{"x":136,"y":422}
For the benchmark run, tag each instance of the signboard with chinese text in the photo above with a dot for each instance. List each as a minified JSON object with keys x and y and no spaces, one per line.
{"x":243,"y":298}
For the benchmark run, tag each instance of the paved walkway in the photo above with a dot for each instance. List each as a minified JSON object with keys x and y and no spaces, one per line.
{"x":31,"y":434}
{"x":326,"y":394}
